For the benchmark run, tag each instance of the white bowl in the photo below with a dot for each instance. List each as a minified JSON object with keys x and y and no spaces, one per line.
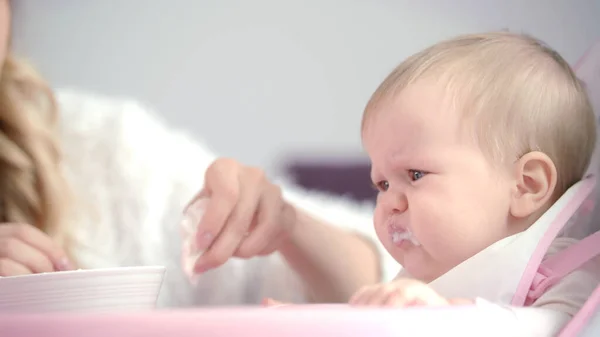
{"x":98,"y":290}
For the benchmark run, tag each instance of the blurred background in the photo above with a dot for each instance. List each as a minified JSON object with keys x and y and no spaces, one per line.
{"x":276,"y":83}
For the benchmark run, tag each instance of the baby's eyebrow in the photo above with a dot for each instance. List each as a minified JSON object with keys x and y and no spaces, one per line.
{"x":416,"y":160}
{"x":402,"y":159}
{"x":396,"y":161}
{"x":402,"y":155}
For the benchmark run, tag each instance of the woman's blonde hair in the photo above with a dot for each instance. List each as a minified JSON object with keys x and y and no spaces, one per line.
{"x":33,"y":187}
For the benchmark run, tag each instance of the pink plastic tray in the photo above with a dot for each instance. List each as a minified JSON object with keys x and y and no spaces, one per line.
{"x":291,"y":321}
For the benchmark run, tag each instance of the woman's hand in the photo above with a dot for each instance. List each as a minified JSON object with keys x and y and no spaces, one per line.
{"x":244,"y":215}
{"x":25,"y":249}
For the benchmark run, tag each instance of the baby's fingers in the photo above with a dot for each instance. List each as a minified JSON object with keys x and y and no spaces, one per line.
{"x":416,"y":296}
{"x":269,"y":302}
{"x":363,"y":296}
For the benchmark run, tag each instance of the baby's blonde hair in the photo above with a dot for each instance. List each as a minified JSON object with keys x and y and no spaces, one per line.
{"x":521,"y":95}
{"x":33,"y":188}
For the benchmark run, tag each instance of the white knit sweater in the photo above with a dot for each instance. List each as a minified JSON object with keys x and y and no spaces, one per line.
{"x":132,"y":176}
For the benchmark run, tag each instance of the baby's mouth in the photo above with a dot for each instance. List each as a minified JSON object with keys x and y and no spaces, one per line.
{"x":399,"y":236}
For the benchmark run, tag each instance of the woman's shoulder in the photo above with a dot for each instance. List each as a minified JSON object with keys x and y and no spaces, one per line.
{"x":119,"y":125}
{"x":122,"y":143}
{"x":133,"y":169}
{"x":95,"y":115}
{"x":104,"y":136}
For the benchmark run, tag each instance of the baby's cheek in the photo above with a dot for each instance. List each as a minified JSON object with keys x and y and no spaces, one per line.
{"x":381,"y":216}
{"x":433,"y":226}
{"x":379,"y":223}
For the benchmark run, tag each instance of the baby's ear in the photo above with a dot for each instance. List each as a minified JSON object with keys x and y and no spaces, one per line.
{"x":535,"y":182}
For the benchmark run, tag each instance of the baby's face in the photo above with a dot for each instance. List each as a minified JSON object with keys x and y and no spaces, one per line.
{"x":434,"y":183}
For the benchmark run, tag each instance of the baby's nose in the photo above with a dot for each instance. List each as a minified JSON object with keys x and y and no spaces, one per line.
{"x":401,"y":203}
{"x":395,"y":202}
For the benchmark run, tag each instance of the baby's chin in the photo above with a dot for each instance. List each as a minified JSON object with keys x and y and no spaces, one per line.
{"x":425,"y":275}
{"x":400,"y":251}
{"x":418,"y":264}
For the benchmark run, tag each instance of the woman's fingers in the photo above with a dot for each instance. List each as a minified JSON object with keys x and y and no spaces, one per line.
{"x":222,"y":182}
{"x":209,"y":216}
{"x":9,"y":267}
{"x":39,"y":241}
{"x":25,"y":255}
{"x":238,"y":213}
{"x":267,"y":227}
{"x":237,"y":224}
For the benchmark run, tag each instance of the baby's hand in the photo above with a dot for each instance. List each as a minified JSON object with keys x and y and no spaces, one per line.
{"x":269,"y":302}
{"x":399,"y":293}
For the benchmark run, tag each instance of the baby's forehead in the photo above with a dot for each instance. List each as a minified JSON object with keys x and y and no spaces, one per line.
{"x":412,"y":131}
{"x":420,"y":106}
{"x":421,"y":118}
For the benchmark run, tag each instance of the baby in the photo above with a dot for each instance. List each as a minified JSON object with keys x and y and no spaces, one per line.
{"x":471,"y":141}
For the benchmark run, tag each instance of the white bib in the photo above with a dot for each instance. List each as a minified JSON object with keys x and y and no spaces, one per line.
{"x":496,"y":272}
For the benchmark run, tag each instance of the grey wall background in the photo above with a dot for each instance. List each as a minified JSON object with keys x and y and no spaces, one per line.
{"x":265,"y":78}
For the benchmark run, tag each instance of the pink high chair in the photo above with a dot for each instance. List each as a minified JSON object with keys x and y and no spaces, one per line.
{"x":577,"y":218}
{"x":587,"y":321}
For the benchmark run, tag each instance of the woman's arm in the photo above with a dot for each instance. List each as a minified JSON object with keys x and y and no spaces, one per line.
{"x":334,"y":247}
{"x":333,"y":263}
{"x":332,"y":260}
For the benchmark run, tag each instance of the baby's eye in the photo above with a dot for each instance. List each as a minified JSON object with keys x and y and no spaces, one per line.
{"x":382,"y":186}
{"x":416,"y":175}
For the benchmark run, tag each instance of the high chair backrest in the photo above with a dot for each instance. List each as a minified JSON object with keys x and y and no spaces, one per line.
{"x":579,"y":219}
{"x":540,"y":275}
{"x":587,"y":321}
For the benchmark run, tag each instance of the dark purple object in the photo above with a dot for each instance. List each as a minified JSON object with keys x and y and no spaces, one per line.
{"x":350,"y":179}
